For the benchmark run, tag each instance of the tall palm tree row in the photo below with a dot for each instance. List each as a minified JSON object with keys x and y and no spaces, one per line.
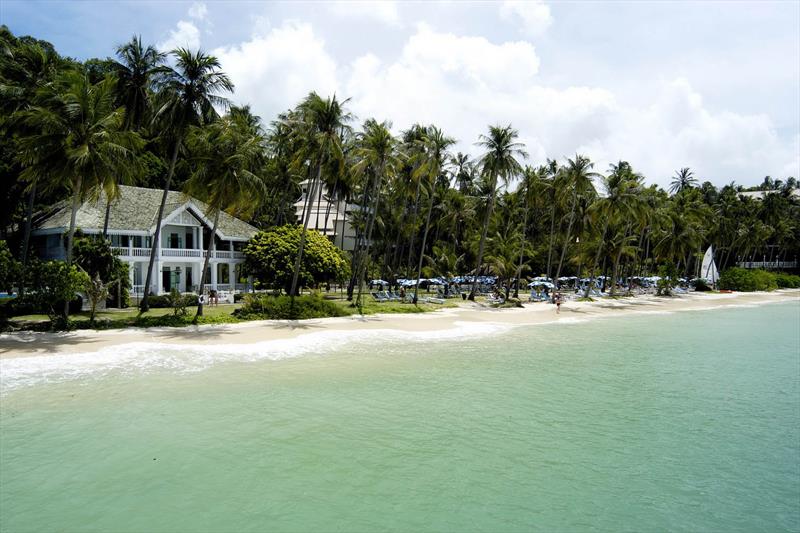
{"x":78,"y":132}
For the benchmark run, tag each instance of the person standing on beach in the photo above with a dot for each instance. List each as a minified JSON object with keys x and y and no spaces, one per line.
{"x":558,"y":303}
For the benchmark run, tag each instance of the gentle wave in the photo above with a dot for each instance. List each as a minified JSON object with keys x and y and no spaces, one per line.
{"x":142,"y":357}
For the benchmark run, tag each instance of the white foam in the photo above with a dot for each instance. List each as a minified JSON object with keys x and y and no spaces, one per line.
{"x":142,"y":357}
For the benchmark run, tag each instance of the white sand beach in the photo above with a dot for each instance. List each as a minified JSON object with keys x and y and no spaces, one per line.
{"x":464,"y":318}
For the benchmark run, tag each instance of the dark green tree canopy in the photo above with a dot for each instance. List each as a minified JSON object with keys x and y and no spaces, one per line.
{"x":270,"y":257}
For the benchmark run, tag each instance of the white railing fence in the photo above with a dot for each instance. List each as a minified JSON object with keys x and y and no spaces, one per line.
{"x":767,"y":264}
{"x":127,"y":251}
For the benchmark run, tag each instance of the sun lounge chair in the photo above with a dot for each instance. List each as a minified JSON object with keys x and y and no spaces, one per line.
{"x":434,"y":300}
{"x":378,"y":297}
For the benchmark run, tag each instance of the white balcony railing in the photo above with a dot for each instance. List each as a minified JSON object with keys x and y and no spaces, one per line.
{"x":124,"y":251}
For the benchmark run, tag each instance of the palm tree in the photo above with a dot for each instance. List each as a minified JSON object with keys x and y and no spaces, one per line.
{"x":684,"y":179}
{"x":227,"y":155}
{"x":377,"y":158}
{"x":623,"y":187}
{"x":499,"y":161}
{"x":187,"y":96}
{"x":578,"y":175}
{"x":79,"y":141}
{"x":321,"y":124}
{"x":25,"y":69}
{"x":137,"y":69}
{"x":433,"y":156}
{"x":463,"y":172}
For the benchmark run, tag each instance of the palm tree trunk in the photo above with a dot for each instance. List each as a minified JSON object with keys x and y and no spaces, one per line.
{"x":205,"y":267}
{"x":521,"y":252}
{"x":28,"y":223}
{"x":328,"y":207}
{"x":615,"y":270}
{"x":105,"y":220}
{"x":319,"y":201}
{"x":422,"y":250}
{"x":552,"y":234}
{"x":370,"y":227}
{"x":360,"y":236}
{"x":76,"y":199}
{"x":301,"y":248}
{"x":145,"y":305}
{"x":413,"y":233}
{"x":483,"y":239}
{"x":567,"y":239}
{"x":596,"y":259}
{"x":344,"y":223}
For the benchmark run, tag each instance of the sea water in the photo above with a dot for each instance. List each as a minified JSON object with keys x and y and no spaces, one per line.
{"x":685,"y":421}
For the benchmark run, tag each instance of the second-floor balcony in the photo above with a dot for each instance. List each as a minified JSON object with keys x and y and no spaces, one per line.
{"x":188,"y":253}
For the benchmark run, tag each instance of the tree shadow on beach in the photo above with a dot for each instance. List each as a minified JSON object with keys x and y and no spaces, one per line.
{"x":34,"y":342}
{"x":190,"y":333}
{"x":296,"y":324}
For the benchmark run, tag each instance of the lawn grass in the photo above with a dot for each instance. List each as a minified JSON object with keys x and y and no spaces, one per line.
{"x":221,"y":314}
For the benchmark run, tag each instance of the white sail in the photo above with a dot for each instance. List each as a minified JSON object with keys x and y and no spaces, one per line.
{"x":709,"y":270}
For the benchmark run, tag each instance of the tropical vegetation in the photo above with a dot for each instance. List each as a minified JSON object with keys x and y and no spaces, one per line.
{"x":163,"y":119}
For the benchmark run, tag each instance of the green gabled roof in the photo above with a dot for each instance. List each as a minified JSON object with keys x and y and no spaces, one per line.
{"x":137,"y":210}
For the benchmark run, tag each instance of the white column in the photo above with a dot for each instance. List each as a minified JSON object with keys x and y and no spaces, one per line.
{"x":232,"y":275}
{"x":131,"y":269}
{"x":157,"y":278}
{"x":213,"y":275}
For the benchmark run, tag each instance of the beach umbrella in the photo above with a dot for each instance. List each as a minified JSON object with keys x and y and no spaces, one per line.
{"x":379,"y":282}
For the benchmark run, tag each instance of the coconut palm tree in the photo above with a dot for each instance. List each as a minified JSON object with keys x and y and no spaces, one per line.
{"x":433,"y":157}
{"x":187,"y":95}
{"x":79,"y":140}
{"x":227,"y":154}
{"x":378,"y":160}
{"x":623,"y":188}
{"x":498,"y":162}
{"x":25,"y":69}
{"x":137,"y":68}
{"x":578,"y":175}
{"x":684,"y":179}
{"x":320,"y":126}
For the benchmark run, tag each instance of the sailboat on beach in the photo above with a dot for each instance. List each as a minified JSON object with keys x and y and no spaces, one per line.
{"x":708,"y":270}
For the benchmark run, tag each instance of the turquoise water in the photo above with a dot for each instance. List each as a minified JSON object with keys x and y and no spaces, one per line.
{"x":689,"y":421}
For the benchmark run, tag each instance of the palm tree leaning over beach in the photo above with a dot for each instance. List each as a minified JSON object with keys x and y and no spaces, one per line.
{"x":226,"y":155}
{"x":79,"y":140}
{"x":320,"y":127}
{"x":186,"y":96}
{"x":498,"y":162}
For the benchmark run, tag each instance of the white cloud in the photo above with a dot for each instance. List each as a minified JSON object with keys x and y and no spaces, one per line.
{"x":463,"y":84}
{"x":198,"y":10}
{"x":185,"y":35}
{"x":383,"y":11}
{"x":533,"y":16}
{"x":274,"y":71}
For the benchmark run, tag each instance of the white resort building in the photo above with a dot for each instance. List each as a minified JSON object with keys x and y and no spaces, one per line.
{"x":329,"y":217}
{"x":185,"y":231}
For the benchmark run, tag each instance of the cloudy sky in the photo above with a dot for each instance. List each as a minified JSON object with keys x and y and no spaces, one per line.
{"x":714,"y":86}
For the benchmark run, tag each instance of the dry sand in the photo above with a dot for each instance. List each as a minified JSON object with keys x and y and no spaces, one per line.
{"x":26,"y":344}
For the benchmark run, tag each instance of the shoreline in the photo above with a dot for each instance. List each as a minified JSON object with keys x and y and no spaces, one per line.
{"x":464,"y":317}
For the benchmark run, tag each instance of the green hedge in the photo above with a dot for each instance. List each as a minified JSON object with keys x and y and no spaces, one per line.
{"x":746,"y":280}
{"x":270,"y":307}
{"x":163,"y":301}
{"x":787,"y":281}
